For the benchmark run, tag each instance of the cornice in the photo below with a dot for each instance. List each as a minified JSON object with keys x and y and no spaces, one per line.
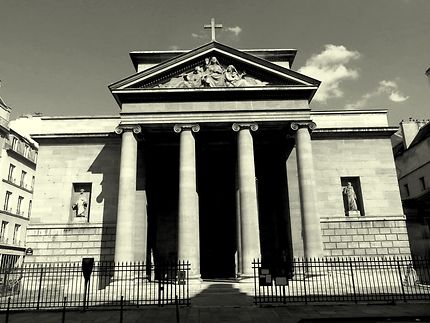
{"x":354,"y":132}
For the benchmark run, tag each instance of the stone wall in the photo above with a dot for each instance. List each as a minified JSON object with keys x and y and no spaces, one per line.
{"x":59,"y":243}
{"x":62,"y":163}
{"x":365,"y":237}
{"x":370,"y":159}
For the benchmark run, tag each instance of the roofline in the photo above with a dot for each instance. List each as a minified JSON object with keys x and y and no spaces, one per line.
{"x":332,"y":111}
{"x":160,"y":56}
{"x":80,"y":117}
{"x":200,"y":51}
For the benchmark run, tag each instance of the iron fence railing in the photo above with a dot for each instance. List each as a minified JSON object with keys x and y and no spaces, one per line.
{"x":343,"y":280}
{"x":35,"y":286}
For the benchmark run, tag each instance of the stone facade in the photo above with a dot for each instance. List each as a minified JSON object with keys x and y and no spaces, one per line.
{"x":184,"y":173}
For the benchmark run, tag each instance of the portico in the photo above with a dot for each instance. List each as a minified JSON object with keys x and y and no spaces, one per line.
{"x":200,"y":148}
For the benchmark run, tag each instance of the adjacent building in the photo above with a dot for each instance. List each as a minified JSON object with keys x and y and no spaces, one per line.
{"x":411,"y":147}
{"x":17,"y":171}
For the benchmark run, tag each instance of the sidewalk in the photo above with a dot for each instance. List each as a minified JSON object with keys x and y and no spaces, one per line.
{"x":419,"y":312}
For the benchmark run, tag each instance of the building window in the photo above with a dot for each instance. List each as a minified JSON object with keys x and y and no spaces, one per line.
{"x":406,"y":186}
{"x":18,"y":206}
{"x":29,"y":208}
{"x":32,"y":183}
{"x":352,"y":196}
{"x":422,"y":183}
{"x":14,"y":143}
{"x":16,"y":234}
{"x":22,"y":181}
{"x":3,"y":231}
{"x":6,"y":201}
{"x":10,"y":174}
{"x":26,"y":149}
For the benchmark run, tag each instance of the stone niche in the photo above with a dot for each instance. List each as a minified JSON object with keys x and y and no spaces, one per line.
{"x":80,"y":203}
{"x":351,"y":192}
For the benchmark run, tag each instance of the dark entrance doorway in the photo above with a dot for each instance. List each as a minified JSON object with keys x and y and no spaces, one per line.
{"x":217,"y":204}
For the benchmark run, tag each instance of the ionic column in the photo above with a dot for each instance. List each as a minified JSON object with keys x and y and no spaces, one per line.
{"x":126,"y":194}
{"x":250,"y":231}
{"x":188,"y":209}
{"x":311,"y":228}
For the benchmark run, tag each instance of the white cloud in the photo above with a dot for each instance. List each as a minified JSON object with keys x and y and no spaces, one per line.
{"x":235,"y":30}
{"x":397,"y":97}
{"x":199,"y":35}
{"x":173,"y":47}
{"x":386,"y":88}
{"x":330,"y":67}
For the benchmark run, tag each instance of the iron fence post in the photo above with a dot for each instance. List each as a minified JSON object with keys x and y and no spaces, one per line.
{"x":40,"y":288}
{"x":255,"y":282}
{"x":304,"y":263}
{"x":401,"y":281}
{"x":353,"y":283}
{"x":121,"y":309}
{"x":177,"y":308}
{"x":138,"y":284}
{"x":63,"y":318}
{"x":7,"y":310}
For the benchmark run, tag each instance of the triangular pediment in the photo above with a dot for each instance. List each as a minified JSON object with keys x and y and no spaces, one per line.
{"x":213,"y":67}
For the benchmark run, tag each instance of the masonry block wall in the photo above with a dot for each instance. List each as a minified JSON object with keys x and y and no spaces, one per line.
{"x":53,"y":233}
{"x":382,"y":229}
{"x":59,"y":243}
{"x":372,"y":238}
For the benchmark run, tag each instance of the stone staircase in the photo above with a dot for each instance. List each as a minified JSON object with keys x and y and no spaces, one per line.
{"x":214,"y":293}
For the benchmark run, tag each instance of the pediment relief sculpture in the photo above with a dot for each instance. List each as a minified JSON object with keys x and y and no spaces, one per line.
{"x":212,"y":74}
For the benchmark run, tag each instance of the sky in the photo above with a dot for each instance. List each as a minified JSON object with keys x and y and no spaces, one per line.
{"x":57,"y":57}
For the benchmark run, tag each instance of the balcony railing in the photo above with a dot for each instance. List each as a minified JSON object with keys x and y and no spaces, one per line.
{"x":11,"y":242}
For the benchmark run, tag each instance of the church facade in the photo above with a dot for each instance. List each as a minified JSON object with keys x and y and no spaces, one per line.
{"x":215,"y":158}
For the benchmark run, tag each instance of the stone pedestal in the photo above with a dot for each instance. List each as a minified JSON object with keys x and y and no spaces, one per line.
{"x":188,"y":209}
{"x":126,"y":194}
{"x":249,"y":224}
{"x":311,"y":228}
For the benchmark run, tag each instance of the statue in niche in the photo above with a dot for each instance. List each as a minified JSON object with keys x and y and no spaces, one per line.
{"x":81,"y":204}
{"x":212,"y":74}
{"x":351,"y":197}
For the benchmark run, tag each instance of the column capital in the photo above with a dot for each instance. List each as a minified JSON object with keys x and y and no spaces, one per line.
{"x":194,"y":127}
{"x":303,"y":124}
{"x":239,"y":126}
{"x":132,"y":127}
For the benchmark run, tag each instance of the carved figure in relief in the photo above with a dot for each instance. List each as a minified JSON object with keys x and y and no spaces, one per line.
{"x":212,"y":74}
{"x":81,"y":204}
{"x":351,"y":197}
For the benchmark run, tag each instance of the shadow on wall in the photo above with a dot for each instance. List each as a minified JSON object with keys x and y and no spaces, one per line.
{"x":107,"y":163}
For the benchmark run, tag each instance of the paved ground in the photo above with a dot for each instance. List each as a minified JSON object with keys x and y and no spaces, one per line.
{"x":251,"y":314}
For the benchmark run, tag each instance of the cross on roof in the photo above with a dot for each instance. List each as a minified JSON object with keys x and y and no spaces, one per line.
{"x":213,"y":26}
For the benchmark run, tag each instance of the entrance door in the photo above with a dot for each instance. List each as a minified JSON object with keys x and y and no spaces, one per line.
{"x":216,"y":187}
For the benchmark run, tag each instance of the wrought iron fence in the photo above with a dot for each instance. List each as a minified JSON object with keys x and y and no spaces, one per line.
{"x":343,"y":280}
{"x":35,"y":286}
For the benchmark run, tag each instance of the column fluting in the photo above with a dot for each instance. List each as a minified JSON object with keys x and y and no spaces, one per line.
{"x":188,"y":208}
{"x":311,"y":228}
{"x":126,"y":193}
{"x":249,"y":223}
